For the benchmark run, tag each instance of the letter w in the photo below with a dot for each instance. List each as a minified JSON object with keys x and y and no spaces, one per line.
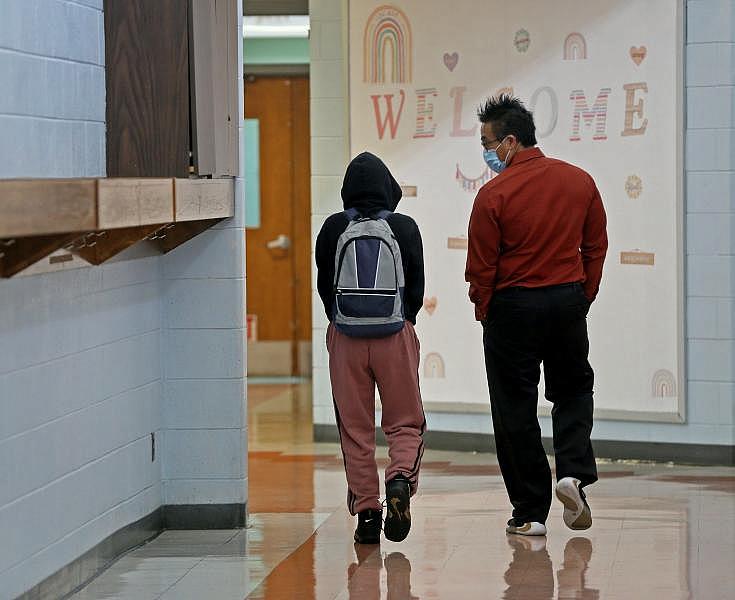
{"x":389,"y":120}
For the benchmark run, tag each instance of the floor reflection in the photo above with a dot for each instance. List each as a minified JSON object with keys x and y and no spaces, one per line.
{"x":571,"y":578}
{"x":659,"y":532}
{"x":530,"y":573}
{"x":365,"y":574}
{"x":375,"y":574}
{"x":398,"y":570}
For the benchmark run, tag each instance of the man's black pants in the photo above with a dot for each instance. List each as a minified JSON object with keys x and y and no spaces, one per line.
{"x":525,"y":327}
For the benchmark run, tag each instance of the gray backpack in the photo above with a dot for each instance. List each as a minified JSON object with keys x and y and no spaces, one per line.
{"x":368,"y":278}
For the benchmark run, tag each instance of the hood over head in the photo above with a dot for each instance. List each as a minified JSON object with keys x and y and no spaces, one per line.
{"x":369,"y":187}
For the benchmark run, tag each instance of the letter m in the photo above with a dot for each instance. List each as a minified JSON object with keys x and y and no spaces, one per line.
{"x":582,"y":112}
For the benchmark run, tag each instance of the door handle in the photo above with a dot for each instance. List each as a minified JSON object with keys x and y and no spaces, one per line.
{"x":282,"y":242}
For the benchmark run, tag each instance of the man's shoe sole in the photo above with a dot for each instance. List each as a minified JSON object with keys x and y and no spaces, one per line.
{"x":398,"y":519}
{"x":576,"y":518}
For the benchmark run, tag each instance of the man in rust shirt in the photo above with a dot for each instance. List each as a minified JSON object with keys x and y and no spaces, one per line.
{"x":537,"y":243}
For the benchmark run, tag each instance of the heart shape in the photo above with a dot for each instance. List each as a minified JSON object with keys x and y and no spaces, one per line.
{"x":451,"y":60}
{"x":430,"y":304}
{"x":638,"y":54}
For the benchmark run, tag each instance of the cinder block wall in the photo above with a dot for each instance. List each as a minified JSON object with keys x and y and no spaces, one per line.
{"x":52,"y":72}
{"x":80,"y":374}
{"x":710,"y":218}
{"x":204,"y":408}
{"x":80,"y":388}
{"x":330,"y":148}
{"x":95,"y":360}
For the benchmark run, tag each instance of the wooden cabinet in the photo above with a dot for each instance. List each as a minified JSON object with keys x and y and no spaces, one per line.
{"x":172,"y":87}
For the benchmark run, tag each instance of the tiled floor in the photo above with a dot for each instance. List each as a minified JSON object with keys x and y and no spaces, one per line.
{"x":660,"y":533}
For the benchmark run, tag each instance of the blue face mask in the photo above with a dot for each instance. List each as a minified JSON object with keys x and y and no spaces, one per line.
{"x":493,"y":161}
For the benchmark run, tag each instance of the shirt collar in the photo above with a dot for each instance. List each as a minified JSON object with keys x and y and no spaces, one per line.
{"x":526,"y":155}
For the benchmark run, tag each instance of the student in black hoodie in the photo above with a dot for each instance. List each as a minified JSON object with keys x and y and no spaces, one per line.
{"x":358,"y":364}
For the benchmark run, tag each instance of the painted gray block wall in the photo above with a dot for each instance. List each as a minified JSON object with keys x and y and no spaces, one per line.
{"x":91,"y":359}
{"x":80,"y":375}
{"x":710,"y":223}
{"x":204,"y":403}
{"x":329,"y":157}
{"x":52,"y":69}
{"x":80,"y":388}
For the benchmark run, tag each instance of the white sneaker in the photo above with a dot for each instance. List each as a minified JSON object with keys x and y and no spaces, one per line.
{"x":530,"y":528}
{"x":577,"y":514}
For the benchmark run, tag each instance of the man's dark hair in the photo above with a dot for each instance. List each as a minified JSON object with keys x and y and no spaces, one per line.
{"x":508,"y":116}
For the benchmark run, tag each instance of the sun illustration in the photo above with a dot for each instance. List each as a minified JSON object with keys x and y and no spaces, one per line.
{"x":633,"y":186}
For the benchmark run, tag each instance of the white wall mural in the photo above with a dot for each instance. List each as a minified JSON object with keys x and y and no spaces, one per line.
{"x":603,"y":80}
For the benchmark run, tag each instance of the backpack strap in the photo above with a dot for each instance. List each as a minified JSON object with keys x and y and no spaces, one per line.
{"x":384,"y":214}
{"x":352,"y":214}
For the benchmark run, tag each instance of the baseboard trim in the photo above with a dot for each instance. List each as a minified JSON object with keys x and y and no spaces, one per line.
{"x":204,"y":516}
{"x":78,"y":573}
{"x":684,"y":454}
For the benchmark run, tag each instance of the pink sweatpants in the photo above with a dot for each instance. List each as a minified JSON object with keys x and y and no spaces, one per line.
{"x":356,"y":365}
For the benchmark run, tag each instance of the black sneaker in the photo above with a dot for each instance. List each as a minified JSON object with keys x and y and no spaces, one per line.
{"x":368,"y":526}
{"x":398,"y":501}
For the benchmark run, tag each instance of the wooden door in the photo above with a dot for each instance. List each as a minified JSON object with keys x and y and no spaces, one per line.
{"x":279,"y":251}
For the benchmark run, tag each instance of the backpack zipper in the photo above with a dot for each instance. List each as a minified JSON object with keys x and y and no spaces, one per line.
{"x":366,"y":292}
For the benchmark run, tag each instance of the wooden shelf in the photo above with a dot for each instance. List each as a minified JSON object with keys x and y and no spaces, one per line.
{"x":98,"y":218}
{"x":134,"y":202}
{"x":46,"y":206}
{"x":198,"y":199}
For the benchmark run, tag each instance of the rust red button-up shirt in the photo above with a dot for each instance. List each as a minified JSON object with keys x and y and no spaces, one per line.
{"x":539,"y":223}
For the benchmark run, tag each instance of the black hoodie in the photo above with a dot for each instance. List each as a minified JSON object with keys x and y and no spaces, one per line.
{"x":369,"y":187}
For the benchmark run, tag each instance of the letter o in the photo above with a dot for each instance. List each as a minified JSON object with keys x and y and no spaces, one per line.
{"x":554,"y":105}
